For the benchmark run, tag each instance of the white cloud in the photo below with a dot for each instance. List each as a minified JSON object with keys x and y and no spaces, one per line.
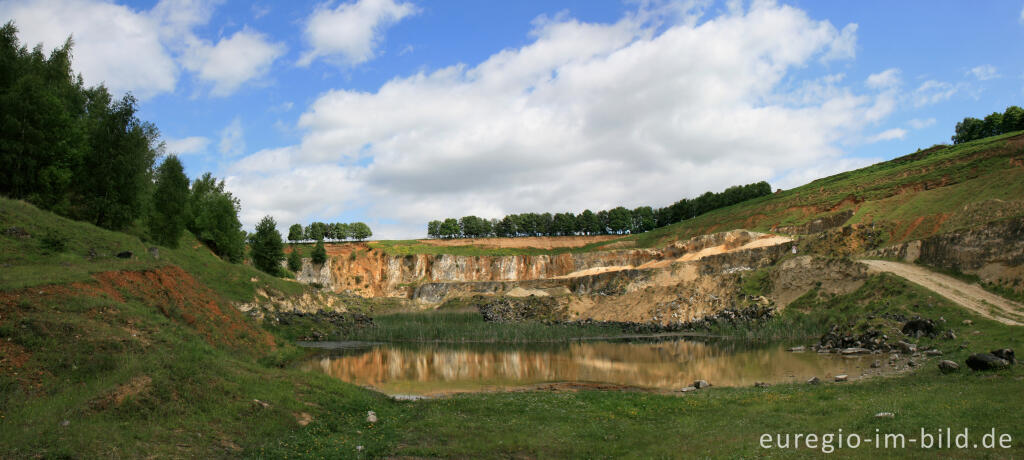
{"x":232,"y":139}
{"x":642,"y":111}
{"x":351,"y":30}
{"x":1022,"y":16}
{"x":932,"y":91}
{"x":886,"y":79}
{"x":187,"y":146}
{"x":888,"y":135}
{"x":918,"y":123}
{"x":984,"y":72}
{"x":113,"y":44}
{"x":233,"y":61}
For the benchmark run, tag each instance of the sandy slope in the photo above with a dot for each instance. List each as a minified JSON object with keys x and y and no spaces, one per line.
{"x":970,"y":296}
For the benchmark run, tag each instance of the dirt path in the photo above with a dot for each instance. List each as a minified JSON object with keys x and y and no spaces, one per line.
{"x":969,"y":296}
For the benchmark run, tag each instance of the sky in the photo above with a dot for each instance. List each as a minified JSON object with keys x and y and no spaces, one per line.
{"x":396,"y":112}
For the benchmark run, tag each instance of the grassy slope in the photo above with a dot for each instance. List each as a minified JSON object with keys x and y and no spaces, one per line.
{"x":912,"y":196}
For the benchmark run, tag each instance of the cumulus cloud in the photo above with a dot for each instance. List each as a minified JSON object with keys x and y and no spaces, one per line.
{"x":931,"y":92}
{"x":886,"y":79}
{"x":641,"y":111}
{"x":232,"y":139}
{"x":888,"y":135}
{"x":143,"y":51}
{"x":984,"y":72}
{"x":187,"y":146}
{"x":104,"y":35}
{"x":351,"y":31}
{"x":244,"y":56}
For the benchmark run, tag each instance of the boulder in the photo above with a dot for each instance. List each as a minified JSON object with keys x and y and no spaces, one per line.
{"x":946,"y":366}
{"x":986,"y":362}
{"x":701,"y":384}
{"x":371,"y":417}
{"x":906,"y":347}
{"x":933,"y":352}
{"x":842,"y":378}
{"x":813,"y":381}
{"x":918,"y":327}
{"x":1005,"y":353}
{"x":688,"y":389}
{"x":760,"y":385}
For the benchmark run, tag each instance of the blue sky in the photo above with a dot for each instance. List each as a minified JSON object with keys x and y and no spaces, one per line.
{"x":397,"y":112}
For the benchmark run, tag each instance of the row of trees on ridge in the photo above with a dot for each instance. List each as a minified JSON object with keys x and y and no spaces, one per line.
{"x":319,"y":231}
{"x":619,"y":220}
{"x":994,"y":124}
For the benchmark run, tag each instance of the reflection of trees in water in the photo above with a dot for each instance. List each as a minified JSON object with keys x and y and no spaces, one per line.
{"x":657,"y":365}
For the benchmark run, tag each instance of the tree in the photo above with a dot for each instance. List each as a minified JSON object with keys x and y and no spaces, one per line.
{"x":992,"y":125}
{"x":434,"y":229}
{"x":450,"y":228}
{"x":267,"y":248}
{"x":170,"y":199}
{"x":341,"y":231}
{"x":294,"y":260}
{"x":214,"y":220}
{"x":643,"y":220}
{"x":319,"y":254}
{"x":968,"y":130}
{"x":620,"y":219}
{"x":360,"y":231}
{"x":1013,"y":119}
{"x":295,"y":233}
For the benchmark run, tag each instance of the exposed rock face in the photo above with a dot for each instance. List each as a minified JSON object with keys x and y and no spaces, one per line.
{"x":798,"y":275}
{"x":316,"y":273}
{"x":994,"y":252}
{"x":308,"y":303}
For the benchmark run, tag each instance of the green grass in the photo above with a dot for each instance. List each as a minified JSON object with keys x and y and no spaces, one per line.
{"x":87,"y":250}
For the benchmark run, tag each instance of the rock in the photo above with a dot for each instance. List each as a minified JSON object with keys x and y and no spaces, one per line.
{"x":796,"y":349}
{"x":688,"y":389}
{"x":946,"y":366}
{"x":933,"y":352}
{"x":918,"y":327}
{"x":967,"y":322}
{"x":359,"y":448}
{"x":701,"y":384}
{"x":371,"y":417}
{"x":125,"y":255}
{"x":1005,"y":353}
{"x":950,"y":335}
{"x":906,"y":347}
{"x":876,"y":364}
{"x":154,"y":252}
{"x":842,"y":377}
{"x":911,"y":363}
{"x":260,"y":404}
{"x":813,"y":381}
{"x":855,"y":351}
{"x":986,"y":362}
{"x":65,"y":422}
{"x":885,"y":415}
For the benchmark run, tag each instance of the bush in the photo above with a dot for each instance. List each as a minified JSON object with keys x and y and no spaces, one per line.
{"x":294,"y":260}
{"x":319,"y":253}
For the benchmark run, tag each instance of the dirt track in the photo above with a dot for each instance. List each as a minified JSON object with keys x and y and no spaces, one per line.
{"x":969,"y":296}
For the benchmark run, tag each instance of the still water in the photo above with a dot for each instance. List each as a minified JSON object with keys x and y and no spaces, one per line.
{"x":433,"y":369}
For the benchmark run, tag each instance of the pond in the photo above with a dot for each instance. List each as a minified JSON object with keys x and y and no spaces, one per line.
{"x":435,"y":369}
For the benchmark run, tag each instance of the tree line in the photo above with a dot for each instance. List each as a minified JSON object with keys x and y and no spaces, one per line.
{"x":994,"y":124}
{"x":319,"y":231}
{"x":615,"y":221}
{"x":81,"y":153}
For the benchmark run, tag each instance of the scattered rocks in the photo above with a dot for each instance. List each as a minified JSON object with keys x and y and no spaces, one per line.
{"x":701,"y":384}
{"x":371,"y":417}
{"x":842,"y":377}
{"x":885,"y":415}
{"x":838,"y":339}
{"x":986,"y":362}
{"x":796,"y":349}
{"x":1005,"y":353}
{"x":513,"y":309}
{"x":946,"y":366}
{"x":813,"y":381}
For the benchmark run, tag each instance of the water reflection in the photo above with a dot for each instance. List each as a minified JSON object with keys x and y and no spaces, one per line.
{"x":431,"y":368}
